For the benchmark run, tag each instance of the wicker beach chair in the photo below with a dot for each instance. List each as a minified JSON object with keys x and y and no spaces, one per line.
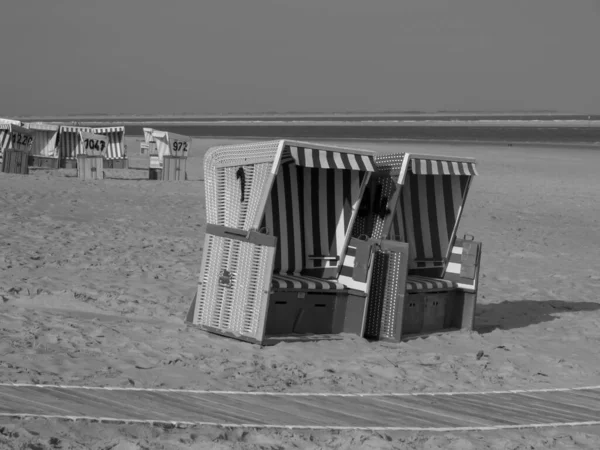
{"x":15,"y":147}
{"x":425,"y":278}
{"x":71,"y":145}
{"x":170,"y":156}
{"x":280,"y":214}
{"x":44,"y":152}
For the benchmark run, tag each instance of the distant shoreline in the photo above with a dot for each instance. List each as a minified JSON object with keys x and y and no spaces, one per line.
{"x":504,"y":129}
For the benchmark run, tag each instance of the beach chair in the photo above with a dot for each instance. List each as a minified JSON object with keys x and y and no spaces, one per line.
{"x":280,"y":215}
{"x":44,"y":152}
{"x":70,"y":146}
{"x":15,"y":147}
{"x":168,"y":156}
{"x":425,"y":278}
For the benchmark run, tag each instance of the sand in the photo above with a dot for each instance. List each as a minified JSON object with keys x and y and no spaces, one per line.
{"x":96,"y":277}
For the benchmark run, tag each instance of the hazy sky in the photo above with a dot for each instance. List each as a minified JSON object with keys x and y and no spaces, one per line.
{"x":205,"y":56}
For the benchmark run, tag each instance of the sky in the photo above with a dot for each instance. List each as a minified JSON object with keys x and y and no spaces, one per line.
{"x":251,"y":56}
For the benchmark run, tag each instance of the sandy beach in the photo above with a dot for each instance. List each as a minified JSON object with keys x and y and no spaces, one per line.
{"x":96,"y":278}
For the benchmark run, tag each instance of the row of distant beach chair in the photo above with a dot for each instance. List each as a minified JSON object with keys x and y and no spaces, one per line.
{"x":54,"y":146}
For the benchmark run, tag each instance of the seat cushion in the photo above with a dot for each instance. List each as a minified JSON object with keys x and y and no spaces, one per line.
{"x":416,"y":283}
{"x":295,"y":282}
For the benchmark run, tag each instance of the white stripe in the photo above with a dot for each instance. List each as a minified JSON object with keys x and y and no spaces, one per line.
{"x":349,"y":261}
{"x":423,"y":166}
{"x":294,"y":153}
{"x":323,"y":159}
{"x":455,"y":168}
{"x":308,"y":158}
{"x":353,"y":163}
{"x":367,"y":163}
{"x":466,"y":286}
{"x":453,"y":267}
{"x":446,"y":168}
{"x":339,"y":163}
{"x":434,"y":168}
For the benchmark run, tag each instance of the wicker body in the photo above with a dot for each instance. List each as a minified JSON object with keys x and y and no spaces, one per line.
{"x":276,"y":240}
{"x":425,"y":279}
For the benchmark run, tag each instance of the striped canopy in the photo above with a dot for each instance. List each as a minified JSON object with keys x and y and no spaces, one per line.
{"x":422,"y":166}
{"x":329,"y":159}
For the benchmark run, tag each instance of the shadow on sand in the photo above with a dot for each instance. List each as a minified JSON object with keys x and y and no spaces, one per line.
{"x":522,"y":313}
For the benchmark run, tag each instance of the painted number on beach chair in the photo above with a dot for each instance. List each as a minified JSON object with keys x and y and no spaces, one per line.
{"x":94,"y":144}
{"x":21,"y":140}
{"x":179,"y":146}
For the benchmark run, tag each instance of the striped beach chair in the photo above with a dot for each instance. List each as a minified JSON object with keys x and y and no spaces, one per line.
{"x":425,"y":278}
{"x":44,"y":152}
{"x":280,"y":216}
{"x":18,"y":139}
{"x":70,"y":145}
{"x":168,"y":154}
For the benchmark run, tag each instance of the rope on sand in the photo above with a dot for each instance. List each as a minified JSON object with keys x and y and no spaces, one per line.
{"x":300,"y":394}
{"x":185,"y":424}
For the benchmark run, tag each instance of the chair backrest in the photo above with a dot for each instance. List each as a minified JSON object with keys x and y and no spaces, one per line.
{"x":309,"y":209}
{"x":428,"y":212}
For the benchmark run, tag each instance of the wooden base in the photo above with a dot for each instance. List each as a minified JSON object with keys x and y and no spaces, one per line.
{"x":300,"y":313}
{"x":154,"y":174}
{"x":122,"y":163}
{"x":174,"y":168}
{"x":68,"y":163}
{"x":15,"y":161}
{"x":44,"y":162}
{"x":90,"y":167}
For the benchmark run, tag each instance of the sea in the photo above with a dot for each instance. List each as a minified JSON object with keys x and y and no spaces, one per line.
{"x":410,"y":126}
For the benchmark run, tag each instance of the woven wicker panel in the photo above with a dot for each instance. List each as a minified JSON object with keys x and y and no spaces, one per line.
{"x":389,"y":162}
{"x":373,"y":225}
{"x":382,"y":311}
{"x":239,"y":308}
{"x":223,"y":191}
{"x":388,"y":187}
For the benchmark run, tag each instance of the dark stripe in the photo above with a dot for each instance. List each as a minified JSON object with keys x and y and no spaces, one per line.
{"x":315,"y":158}
{"x":347,"y":271}
{"x":346,"y":161}
{"x":289,"y":218}
{"x":429,"y":164}
{"x":434,"y":230}
{"x":416,"y":212}
{"x":361,"y":163}
{"x":301,"y":229}
{"x":302,"y":156}
{"x":331,"y":161}
{"x":449,"y":204}
{"x":276,"y":225}
{"x":347,"y":191}
{"x":315,"y":211}
{"x":332,"y":217}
